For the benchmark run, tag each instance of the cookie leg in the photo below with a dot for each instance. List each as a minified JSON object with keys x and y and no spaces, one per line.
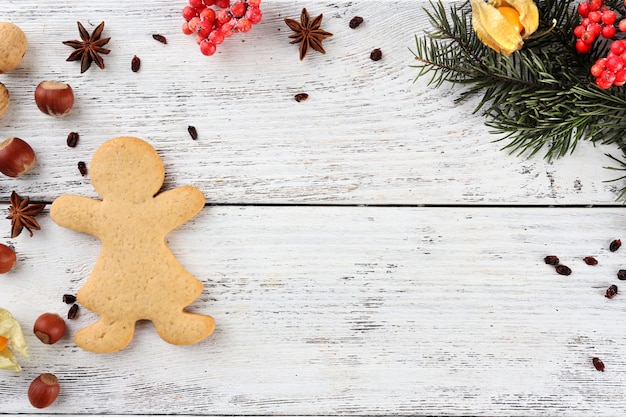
{"x":184,"y":328}
{"x":105,"y":337}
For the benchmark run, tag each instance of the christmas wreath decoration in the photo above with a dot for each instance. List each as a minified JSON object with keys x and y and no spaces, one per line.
{"x":549,"y":73}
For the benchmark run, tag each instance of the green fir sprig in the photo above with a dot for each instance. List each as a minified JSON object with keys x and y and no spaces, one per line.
{"x":540,"y":99}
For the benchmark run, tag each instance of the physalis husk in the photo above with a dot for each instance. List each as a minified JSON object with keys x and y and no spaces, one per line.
{"x":11,"y":333}
{"x":501,"y":31}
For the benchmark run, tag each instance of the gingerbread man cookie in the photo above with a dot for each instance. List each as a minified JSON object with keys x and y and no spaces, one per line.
{"x":136,"y":276}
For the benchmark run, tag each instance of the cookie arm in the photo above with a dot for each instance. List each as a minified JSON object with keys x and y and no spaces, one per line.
{"x":179,"y":205}
{"x":76,"y":213}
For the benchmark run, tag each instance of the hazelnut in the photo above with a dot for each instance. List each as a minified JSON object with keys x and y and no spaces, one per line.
{"x":7,"y":259}
{"x":44,"y":390}
{"x":49,"y":328}
{"x":16,"y":157}
{"x":13,"y":44}
{"x":5,"y":98}
{"x":54,"y":98}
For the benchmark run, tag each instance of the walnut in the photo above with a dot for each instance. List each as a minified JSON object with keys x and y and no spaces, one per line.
{"x":5,"y":97}
{"x":13,"y":44}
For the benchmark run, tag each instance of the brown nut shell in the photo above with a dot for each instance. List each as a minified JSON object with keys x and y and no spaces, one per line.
{"x":44,"y":390}
{"x":13,"y":45}
{"x":5,"y":99}
{"x":16,"y":157}
{"x":7,"y":258}
{"x":49,"y":328}
{"x":54,"y":98}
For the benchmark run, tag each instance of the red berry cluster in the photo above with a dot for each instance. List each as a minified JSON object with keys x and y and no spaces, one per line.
{"x":599,"y":20}
{"x":611,"y":70}
{"x":213,"y":25}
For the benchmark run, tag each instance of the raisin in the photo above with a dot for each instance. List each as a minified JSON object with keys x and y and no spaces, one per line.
{"x":73,"y":312}
{"x":551,"y":260}
{"x":355,"y":22}
{"x":611,"y":291}
{"x":590,"y":260}
{"x":159,"y":38}
{"x":82,"y":167}
{"x":598,"y":364}
{"x":135,"y":63}
{"x":615,"y":245}
{"x":376,"y":55}
{"x":72,"y":139}
{"x":69,"y":298}
{"x":301,"y":97}
{"x":563,"y":270}
{"x":192,"y":132}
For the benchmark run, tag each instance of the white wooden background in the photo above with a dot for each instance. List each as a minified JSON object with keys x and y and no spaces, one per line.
{"x":367,"y":251}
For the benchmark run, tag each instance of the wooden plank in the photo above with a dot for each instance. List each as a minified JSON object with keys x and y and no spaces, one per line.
{"x":359,"y":310}
{"x":366,"y":135}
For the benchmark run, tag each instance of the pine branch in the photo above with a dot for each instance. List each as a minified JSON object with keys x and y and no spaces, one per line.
{"x":542,"y":98}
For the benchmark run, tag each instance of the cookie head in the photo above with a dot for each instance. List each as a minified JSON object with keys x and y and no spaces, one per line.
{"x":127,"y":168}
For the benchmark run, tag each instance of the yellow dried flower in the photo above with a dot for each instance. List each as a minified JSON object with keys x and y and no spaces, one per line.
{"x":11,"y":339}
{"x":503,"y":25}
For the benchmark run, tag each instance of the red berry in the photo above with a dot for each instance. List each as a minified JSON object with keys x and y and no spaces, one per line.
{"x":216,"y":37}
{"x":608,"y":32}
{"x":207,"y":48}
{"x":622,"y":25}
{"x":578,"y":30}
{"x":238,"y":9}
{"x":609,"y":17}
{"x":222,"y":3}
{"x":193,"y":24}
{"x":582,"y":47}
{"x":189,"y":13}
{"x":186,"y":29}
{"x":608,"y":76}
{"x":209,"y":2}
{"x":595,"y":16}
{"x":617,"y":47}
{"x":596,"y":69}
{"x":595,"y":29}
{"x":620,"y":78}
{"x":222,"y":17}
{"x":196,"y":3}
{"x":254,"y":15}
{"x":204,"y":29}
{"x":244,"y":25}
{"x":583,"y":9}
{"x":595,"y":4}
{"x":587,"y":38}
{"x":614,"y":64}
{"x":257,"y":3}
{"x":208,"y":15}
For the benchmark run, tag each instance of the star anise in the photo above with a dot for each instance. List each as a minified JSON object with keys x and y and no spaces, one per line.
{"x":89,"y":49}
{"x":308,"y":33}
{"x":22,"y":215}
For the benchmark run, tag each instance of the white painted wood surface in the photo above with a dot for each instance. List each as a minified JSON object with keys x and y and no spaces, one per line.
{"x":323,"y":306}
